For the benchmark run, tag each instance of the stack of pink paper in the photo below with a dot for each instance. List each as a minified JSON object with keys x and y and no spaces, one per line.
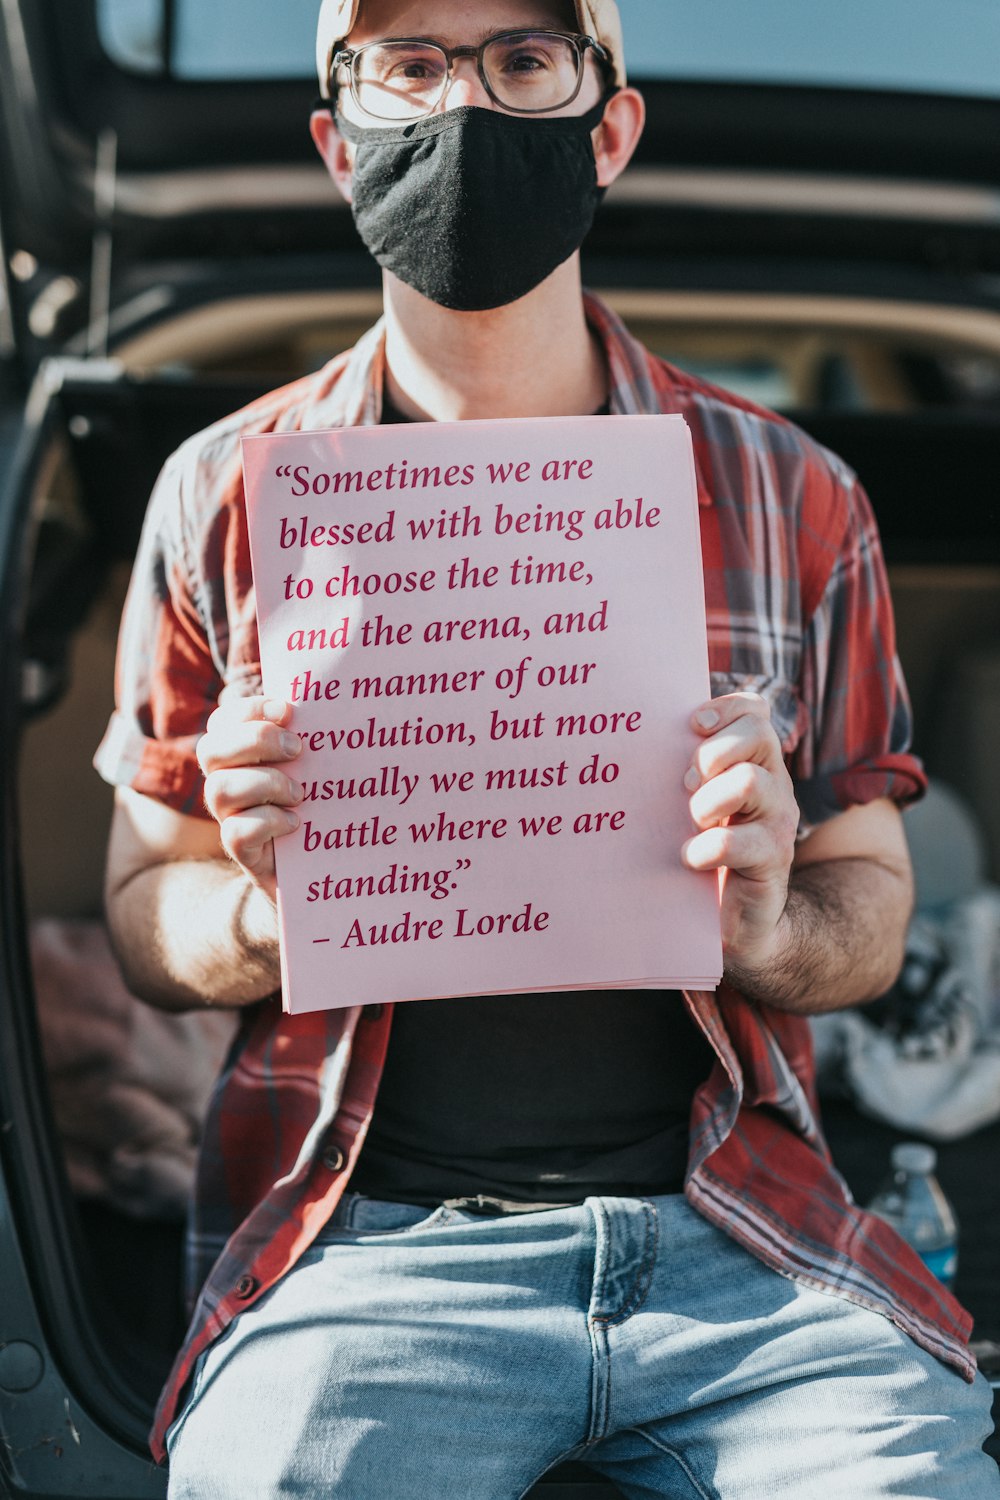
{"x":493,"y":634}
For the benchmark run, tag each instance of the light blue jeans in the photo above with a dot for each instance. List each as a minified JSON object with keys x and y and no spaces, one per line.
{"x":448,"y":1355}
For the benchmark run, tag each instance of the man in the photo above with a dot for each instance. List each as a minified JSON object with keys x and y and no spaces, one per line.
{"x":597,"y":1225}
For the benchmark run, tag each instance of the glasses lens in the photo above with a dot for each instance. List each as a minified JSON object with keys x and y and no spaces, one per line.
{"x":533,"y":70}
{"x":399,"y":80}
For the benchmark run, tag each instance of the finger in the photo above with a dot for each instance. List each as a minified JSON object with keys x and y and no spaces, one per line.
{"x":243,"y":710}
{"x":748,"y":738}
{"x":718,"y":712}
{"x":253,"y":742}
{"x":746,"y":849}
{"x":744,"y":791}
{"x":232,"y":791}
{"x":249,"y":837}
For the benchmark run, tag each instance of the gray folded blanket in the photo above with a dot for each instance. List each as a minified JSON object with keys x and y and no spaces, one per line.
{"x":129,"y":1084}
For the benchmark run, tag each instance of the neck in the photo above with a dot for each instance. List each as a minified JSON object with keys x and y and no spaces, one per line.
{"x":533,"y":358}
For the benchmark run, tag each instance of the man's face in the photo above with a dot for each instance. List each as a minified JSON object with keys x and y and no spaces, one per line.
{"x":466,"y":23}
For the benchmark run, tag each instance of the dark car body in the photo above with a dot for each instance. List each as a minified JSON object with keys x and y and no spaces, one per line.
{"x":171,"y":248}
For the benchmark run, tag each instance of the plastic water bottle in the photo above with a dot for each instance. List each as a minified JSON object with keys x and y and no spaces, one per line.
{"x":911,"y":1200}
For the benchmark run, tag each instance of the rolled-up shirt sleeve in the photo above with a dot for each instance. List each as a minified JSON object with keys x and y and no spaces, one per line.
{"x":167,"y":681}
{"x":855,"y":745}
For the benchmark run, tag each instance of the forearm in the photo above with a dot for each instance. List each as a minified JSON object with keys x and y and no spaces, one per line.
{"x":191,"y":933}
{"x":840,"y":939}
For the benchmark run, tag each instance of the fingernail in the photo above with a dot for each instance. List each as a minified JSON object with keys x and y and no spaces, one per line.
{"x":273,"y":708}
{"x":692,"y":780}
{"x":293,"y":819}
{"x":707,"y":718}
{"x":298,"y":792}
{"x":290,"y":743}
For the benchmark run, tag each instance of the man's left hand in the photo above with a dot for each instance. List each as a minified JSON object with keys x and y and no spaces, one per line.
{"x":807,"y":926}
{"x":743,"y":802}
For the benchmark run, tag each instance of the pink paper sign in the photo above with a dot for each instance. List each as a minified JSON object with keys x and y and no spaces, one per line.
{"x":493,"y":635}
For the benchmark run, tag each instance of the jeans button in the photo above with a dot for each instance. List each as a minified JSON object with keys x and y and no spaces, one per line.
{"x":245,"y":1287}
{"x":333,"y":1158}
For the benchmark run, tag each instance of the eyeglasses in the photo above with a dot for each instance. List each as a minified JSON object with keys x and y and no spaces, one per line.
{"x":525,"y":72}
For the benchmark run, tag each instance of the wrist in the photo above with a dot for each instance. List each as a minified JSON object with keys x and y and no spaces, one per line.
{"x":257,"y":927}
{"x":762,"y":934}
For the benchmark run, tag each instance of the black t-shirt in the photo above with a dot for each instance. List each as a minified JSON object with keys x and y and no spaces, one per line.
{"x":531,"y":1099}
{"x":535,"y":1098}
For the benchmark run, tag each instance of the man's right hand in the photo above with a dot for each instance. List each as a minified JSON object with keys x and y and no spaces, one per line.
{"x":190,"y":901}
{"x":245,"y":754}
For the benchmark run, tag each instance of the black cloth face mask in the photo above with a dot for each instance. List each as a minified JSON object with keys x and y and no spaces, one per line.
{"x":474,"y":208}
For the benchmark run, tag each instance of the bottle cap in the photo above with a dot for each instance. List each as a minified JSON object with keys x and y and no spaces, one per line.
{"x":911,"y":1156}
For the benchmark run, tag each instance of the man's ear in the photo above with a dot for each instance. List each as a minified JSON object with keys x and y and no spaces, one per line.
{"x":335,"y":151}
{"x":617,"y":136}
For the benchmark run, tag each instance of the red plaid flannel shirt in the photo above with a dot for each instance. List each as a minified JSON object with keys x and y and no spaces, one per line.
{"x":798,"y":610}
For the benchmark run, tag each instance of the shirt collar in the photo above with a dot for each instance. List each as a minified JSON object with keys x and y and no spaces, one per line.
{"x":355,"y":399}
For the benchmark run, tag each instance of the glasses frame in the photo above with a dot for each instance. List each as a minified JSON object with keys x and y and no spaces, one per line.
{"x":348,"y":58}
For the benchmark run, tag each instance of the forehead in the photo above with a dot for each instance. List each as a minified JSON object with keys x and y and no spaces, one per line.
{"x":457,"y":20}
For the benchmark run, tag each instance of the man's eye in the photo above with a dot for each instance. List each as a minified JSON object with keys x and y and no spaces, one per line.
{"x":526,"y":62}
{"x":403,"y":66}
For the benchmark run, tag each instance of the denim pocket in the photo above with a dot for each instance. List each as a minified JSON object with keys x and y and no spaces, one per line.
{"x":357,"y":1215}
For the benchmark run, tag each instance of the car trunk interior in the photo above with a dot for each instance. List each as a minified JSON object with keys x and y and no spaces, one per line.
{"x":870,"y":380}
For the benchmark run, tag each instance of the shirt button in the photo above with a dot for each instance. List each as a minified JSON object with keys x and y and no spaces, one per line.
{"x":333,"y":1158}
{"x":372,"y":1012}
{"x":245,"y":1287}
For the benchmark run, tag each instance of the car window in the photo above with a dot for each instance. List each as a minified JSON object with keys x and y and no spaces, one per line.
{"x":192,"y":40}
{"x":879,"y":44}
